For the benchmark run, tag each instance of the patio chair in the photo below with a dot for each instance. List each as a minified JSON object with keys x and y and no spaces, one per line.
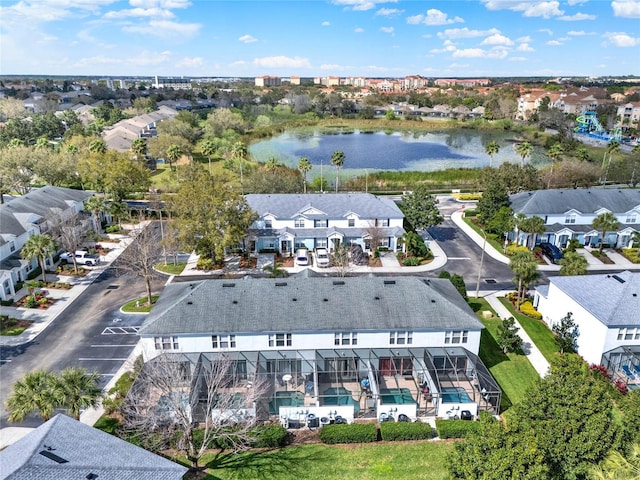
{"x":636,"y":368}
{"x":627,"y":371}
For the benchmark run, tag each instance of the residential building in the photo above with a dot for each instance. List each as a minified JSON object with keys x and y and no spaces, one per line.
{"x":606,"y":309}
{"x":314,"y":340}
{"x":31,"y":214}
{"x":569,"y":213}
{"x":121,"y":135}
{"x":64,"y":449}
{"x":465,"y":82}
{"x":177,"y":83}
{"x":288,"y":222}
{"x":629,"y":114}
{"x":267,"y":81}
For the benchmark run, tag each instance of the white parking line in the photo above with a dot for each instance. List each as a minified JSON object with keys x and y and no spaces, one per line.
{"x":104,"y":359}
{"x":110,"y":345}
{"x":458,"y":258}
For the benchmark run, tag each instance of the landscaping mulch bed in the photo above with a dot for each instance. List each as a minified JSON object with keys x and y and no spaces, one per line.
{"x":70,"y":272}
{"x":41,"y":306}
{"x":13,"y":326}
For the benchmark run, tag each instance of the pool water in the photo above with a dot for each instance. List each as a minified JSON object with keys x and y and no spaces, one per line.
{"x":455,"y":395}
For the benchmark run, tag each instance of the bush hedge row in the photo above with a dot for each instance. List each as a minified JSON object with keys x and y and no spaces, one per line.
{"x":351,"y":433}
{"x":391,"y":431}
{"x":455,"y":428}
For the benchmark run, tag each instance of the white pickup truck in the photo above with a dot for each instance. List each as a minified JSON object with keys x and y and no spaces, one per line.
{"x":82,"y":258}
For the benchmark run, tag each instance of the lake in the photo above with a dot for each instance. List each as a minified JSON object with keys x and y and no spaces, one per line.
{"x":398,"y":151}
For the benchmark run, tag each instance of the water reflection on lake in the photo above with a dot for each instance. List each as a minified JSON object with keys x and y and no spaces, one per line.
{"x":375,"y":151}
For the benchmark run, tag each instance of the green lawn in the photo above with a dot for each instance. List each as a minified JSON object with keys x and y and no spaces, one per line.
{"x":544,"y":338}
{"x":379,"y":461}
{"x":492,"y":239}
{"x":132,"y":306}
{"x":170,"y":268}
{"x":513,"y":371}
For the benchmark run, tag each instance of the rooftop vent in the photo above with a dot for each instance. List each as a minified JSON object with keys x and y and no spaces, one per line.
{"x":53,"y":456}
{"x":235,"y":302}
{"x":376,"y":298}
{"x":389,"y":282}
{"x":616,"y":277}
{"x":338,"y":282}
{"x":433,"y":301}
{"x":281,"y":284}
{"x":189,"y":302}
{"x":92,"y":476}
{"x":325,"y":299}
{"x":228,"y":285}
{"x":294,"y":299}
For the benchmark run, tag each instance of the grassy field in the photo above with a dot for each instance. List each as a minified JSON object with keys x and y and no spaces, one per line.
{"x":544,"y":338}
{"x":513,"y":371}
{"x":379,"y":461}
{"x":139,"y":305}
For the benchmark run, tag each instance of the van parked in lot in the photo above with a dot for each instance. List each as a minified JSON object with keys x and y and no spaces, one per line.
{"x":302,"y":257}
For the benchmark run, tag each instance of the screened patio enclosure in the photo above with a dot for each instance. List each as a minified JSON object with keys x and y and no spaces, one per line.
{"x":344,"y":382}
{"x":623,"y":363}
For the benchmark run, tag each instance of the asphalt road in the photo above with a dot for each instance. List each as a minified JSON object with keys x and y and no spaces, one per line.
{"x":90,"y":333}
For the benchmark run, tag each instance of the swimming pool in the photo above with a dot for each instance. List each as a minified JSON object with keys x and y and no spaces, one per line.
{"x":455,"y":395}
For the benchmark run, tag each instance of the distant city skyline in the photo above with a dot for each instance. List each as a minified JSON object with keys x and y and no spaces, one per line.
{"x":346,"y":38}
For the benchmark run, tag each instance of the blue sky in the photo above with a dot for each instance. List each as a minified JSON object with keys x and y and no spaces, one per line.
{"x":372,"y":38}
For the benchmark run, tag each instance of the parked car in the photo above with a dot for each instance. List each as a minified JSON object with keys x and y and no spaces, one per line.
{"x":552,"y":252}
{"x":322,"y":258}
{"x":302,"y":257}
{"x":82,"y":258}
{"x":358,"y":256}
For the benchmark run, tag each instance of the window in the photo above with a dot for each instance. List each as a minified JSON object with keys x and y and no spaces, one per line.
{"x":321,"y":243}
{"x":299,"y":223}
{"x":223,"y":341}
{"x":166,"y":343}
{"x":570,"y":218}
{"x":400,"y":338}
{"x":269,"y":243}
{"x":322,"y":223}
{"x":631,"y":218}
{"x":12,"y":247}
{"x":384,"y":222}
{"x":456,"y":336}
{"x":352,"y":222}
{"x":268,"y":224}
{"x":629,"y":334}
{"x":345,"y":338}
{"x":280,"y":340}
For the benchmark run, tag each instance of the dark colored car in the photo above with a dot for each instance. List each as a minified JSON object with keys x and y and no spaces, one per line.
{"x":552,"y":252}
{"x":358,"y":257}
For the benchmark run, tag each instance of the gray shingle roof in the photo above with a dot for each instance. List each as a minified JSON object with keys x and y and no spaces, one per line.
{"x":285,"y":206}
{"x":541,"y":202}
{"x":41,"y":202}
{"x":613,"y":299}
{"x":309,"y":304}
{"x":86,"y":450}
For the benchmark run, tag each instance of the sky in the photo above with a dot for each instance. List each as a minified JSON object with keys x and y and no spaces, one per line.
{"x":316,"y":38}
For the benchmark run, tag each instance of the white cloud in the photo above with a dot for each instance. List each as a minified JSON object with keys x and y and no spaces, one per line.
{"x":433,"y":17}
{"x":359,"y":5}
{"x":140,"y":12}
{"x":387,"y":30}
{"x":43,"y":12}
{"x":497,"y":39}
{"x":626,"y":8}
{"x":554,"y":43}
{"x":165,"y":28}
{"x":621,"y":39}
{"x":358,"y":29}
{"x":498,"y":53}
{"x":145,"y":58}
{"x":389,"y":12}
{"x":528,"y":9}
{"x":247,"y":39}
{"x":325,"y":24}
{"x":190,"y":62}
{"x":524,"y":47}
{"x":576,"y":33}
{"x":576,"y":2}
{"x":282,"y":61}
{"x":466,"y":33}
{"x":448,"y":46}
{"x":577,"y":17}
{"x":547,"y":31}
{"x":518,"y":59}
{"x":160,"y":3}
{"x":525,"y":39}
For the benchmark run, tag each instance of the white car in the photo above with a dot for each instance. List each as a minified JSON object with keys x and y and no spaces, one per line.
{"x":322,"y":258}
{"x":302,"y":257}
{"x":82,"y":258}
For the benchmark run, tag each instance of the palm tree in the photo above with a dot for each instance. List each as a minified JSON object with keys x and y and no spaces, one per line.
{"x":42,"y":143}
{"x":304,"y":165}
{"x":118,"y":210}
{"x":173,"y":153}
{"x":208,"y":148}
{"x":40,"y":247}
{"x":80,"y":390}
{"x":603,"y":223}
{"x":275,"y":271}
{"x":582,"y":154}
{"x":139,"y":148}
{"x":272,"y":164}
{"x":97,"y":146}
{"x":612,"y":147}
{"x":95,"y":205}
{"x":37,"y":391}
{"x":618,"y":467}
{"x":532,"y":225}
{"x":555,"y":152}
{"x":239,"y":152}
{"x":525,"y":268}
{"x":523,"y":149}
{"x":492,"y":149}
{"x":337,"y":160}
{"x":573,"y":264}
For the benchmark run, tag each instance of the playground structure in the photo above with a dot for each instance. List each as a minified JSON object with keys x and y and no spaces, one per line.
{"x":589,"y":125}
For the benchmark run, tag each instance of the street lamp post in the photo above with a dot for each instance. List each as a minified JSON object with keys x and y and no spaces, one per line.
{"x":484,"y":244}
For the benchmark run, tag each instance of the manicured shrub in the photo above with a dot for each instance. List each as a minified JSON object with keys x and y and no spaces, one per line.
{"x":270,"y":436}
{"x":205,"y":263}
{"x":351,"y":433}
{"x":456,"y":428}
{"x":411,"y":261}
{"x":528,"y":310}
{"x":397,"y":431}
{"x":514,"y":248}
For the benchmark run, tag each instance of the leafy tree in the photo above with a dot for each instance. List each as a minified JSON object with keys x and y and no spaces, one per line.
{"x":40,"y":247}
{"x":275,"y":270}
{"x":508,"y":338}
{"x":337,"y":160}
{"x":211,"y":214}
{"x":567,"y":333}
{"x":458,"y":282}
{"x":208,"y":149}
{"x":617,"y":466}
{"x":98,"y":146}
{"x":502,"y":222}
{"x":96,"y":205}
{"x":272,"y":164}
{"x":79,"y":390}
{"x":554,"y":153}
{"x":139,"y":149}
{"x":36,"y":392}
{"x":415,"y":245}
{"x":239,"y":153}
{"x":512,"y":177}
{"x":494,"y":197}
{"x":572,"y":263}
{"x":69,"y":233}
{"x":603,"y":223}
{"x":523,"y":149}
{"x":492,"y":149}
{"x":304,"y":165}
{"x":282,"y":180}
{"x":525,"y":268}
{"x":140,"y":256}
{"x":419,"y":208}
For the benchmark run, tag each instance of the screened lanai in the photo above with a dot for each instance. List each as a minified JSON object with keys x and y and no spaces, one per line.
{"x":623,"y":363}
